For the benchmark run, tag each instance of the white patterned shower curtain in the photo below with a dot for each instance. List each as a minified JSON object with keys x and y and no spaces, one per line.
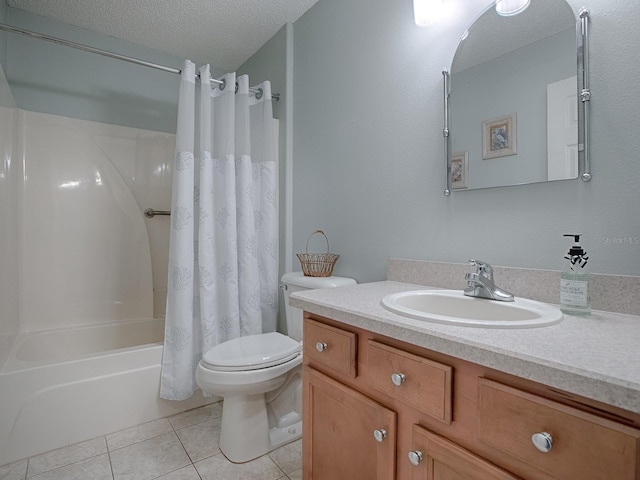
{"x":223,"y":253}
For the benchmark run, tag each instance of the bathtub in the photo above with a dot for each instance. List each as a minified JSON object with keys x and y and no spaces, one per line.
{"x":65,"y":386}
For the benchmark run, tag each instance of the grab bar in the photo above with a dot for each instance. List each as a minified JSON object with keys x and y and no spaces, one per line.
{"x":150,"y":212}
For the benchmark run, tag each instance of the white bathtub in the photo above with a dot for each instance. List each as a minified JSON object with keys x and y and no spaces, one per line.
{"x":64,"y":386}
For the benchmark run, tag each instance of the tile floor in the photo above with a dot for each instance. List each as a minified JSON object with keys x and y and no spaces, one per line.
{"x":181,"y":447}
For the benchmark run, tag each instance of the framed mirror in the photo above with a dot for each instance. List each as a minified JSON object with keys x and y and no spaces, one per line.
{"x":516,"y":99}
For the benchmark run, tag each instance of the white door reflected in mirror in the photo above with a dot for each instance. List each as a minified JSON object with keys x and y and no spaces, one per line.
{"x":562,"y":129}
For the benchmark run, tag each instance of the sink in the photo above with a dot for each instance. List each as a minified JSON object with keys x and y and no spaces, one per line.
{"x":453,"y":307}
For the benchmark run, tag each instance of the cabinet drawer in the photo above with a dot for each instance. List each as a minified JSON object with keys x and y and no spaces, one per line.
{"x":584,"y":446}
{"x":331,"y":347}
{"x":423,"y":384}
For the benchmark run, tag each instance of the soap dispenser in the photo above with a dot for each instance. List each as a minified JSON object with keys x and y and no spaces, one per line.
{"x":575,"y":295}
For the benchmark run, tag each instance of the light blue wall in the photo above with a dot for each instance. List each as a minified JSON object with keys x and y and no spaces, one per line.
{"x":269,"y":63}
{"x":50,"y":78}
{"x":368,"y":148}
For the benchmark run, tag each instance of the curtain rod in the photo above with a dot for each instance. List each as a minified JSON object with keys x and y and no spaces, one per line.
{"x":86,"y":48}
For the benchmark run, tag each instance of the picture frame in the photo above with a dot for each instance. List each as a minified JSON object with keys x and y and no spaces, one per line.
{"x":499,"y":137}
{"x":460,"y":170}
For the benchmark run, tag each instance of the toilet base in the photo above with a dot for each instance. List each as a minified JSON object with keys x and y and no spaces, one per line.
{"x":245,"y":434}
{"x":281,"y":436}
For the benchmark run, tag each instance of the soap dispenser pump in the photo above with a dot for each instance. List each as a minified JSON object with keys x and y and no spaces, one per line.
{"x":575,"y":295}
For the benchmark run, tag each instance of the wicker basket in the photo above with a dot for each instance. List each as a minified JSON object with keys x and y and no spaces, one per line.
{"x":317,"y":264}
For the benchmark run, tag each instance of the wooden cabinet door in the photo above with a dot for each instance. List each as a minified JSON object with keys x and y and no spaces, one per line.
{"x":338,"y":433}
{"x":441,"y":459}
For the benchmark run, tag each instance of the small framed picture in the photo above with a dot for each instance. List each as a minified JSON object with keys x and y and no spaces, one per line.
{"x":499,"y":137}
{"x":460,"y":169}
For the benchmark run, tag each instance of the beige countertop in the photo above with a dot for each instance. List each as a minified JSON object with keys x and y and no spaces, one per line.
{"x":597,"y":357}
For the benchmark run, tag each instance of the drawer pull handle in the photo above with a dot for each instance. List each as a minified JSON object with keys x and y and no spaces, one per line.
{"x":321,"y":346}
{"x":398,"y":379}
{"x":543,"y":441}
{"x":379,"y":434}
{"x":415,"y":457}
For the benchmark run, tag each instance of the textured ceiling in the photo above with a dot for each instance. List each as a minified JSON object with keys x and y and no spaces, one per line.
{"x":224,"y":33}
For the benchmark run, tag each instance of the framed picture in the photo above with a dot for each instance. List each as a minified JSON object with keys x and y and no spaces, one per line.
{"x":460,"y":169}
{"x":499,"y":137}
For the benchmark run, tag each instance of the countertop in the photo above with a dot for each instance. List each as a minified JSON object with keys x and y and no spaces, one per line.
{"x":597,"y":357}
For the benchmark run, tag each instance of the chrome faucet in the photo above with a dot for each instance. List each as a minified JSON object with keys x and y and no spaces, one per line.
{"x":481,"y":285}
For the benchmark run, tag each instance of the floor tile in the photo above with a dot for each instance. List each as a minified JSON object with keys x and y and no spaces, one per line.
{"x":66,"y":455}
{"x":14,"y":471}
{"x":219,"y":468}
{"x":196,"y":415}
{"x":288,"y":457}
{"x":137,"y":434}
{"x":186,"y":473}
{"x":155,"y":451}
{"x":149,"y":459}
{"x":296,"y":475}
{"x":95,"y":468}
{"x":201,"y":440}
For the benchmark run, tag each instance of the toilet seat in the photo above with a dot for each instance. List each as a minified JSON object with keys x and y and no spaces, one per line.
{"x":252,"y":352}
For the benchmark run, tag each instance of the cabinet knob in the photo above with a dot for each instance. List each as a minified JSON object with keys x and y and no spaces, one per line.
{"x":415,"y":457}
{"x":398,"y":378}
{"x":543,"y":441}
{"x":379,"y":434}
{"x":321,"y":346}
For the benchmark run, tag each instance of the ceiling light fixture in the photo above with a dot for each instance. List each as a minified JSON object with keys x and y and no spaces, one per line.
{"x":507,"y":8}
{"x":427,"y":12}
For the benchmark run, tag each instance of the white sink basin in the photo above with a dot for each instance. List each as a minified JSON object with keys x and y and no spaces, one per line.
{"x":455,"y":308}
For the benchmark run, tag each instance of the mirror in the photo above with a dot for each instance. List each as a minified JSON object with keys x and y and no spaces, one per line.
{"x":513,"y":109}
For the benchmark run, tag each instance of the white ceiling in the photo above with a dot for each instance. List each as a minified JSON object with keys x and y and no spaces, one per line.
{"x":224,"y":33}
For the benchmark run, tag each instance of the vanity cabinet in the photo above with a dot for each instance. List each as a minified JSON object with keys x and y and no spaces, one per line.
{"x":377,"y":408}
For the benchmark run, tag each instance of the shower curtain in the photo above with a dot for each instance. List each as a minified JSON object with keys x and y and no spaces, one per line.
{"x":223,"y":262}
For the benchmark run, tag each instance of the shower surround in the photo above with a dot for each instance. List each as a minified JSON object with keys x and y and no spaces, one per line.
{"x":83,"y":278}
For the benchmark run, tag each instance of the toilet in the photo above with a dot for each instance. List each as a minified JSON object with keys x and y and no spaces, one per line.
{"x":260,"y":379}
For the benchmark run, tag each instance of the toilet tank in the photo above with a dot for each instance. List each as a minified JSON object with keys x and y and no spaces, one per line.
{"x":295,"y":282}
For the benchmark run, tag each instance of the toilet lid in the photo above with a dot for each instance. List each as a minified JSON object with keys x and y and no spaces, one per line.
{"x":252,"y":352}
